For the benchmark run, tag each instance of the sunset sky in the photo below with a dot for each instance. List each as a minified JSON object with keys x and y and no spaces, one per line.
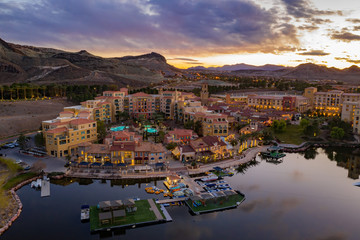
{"x":192,"y":32}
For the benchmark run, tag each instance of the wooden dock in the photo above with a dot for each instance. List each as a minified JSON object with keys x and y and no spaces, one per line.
{"x":166,"y":214}
{"x":45,"y":188}
{"x":162,"y":201}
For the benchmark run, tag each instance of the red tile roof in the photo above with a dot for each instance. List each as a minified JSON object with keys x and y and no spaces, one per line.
{"x":81,"y":121}
{"x":57,"y":130}
{"x":140,"y":94}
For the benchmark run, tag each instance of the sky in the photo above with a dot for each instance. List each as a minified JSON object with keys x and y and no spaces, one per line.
{"x":192,"y":32}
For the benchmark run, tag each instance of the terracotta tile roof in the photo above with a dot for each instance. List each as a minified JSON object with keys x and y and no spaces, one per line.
{"x":212,"y":140}
{"x":58,"y":123}
{"x":130,"y":146}
{"x":57,"y":130}
{"x":81,"y":121}
{"x":186,"y":149}
{"x":179,"y":131}
{"x":140,"y":94}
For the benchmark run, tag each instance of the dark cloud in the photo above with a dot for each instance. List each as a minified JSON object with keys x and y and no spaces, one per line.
{"x":349,"y":60}
{"x":345,"y":36}
{"x":314,"y":53}
{"x":353,"y":20}
{"x":309,"y":28}
{"x":175,"y":27}
{"x":194,"y":63}
{"x":304,"y":9}
{"x":184,"y":59}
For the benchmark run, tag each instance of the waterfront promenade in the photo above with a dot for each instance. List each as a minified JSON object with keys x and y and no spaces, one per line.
{"x":174,"y":168}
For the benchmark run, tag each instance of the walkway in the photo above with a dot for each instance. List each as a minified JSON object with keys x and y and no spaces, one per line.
{"x":155,"y":209}
{"x":166,"y":214}
{"x":249,"y":155}
{"x":192,"y":184}
{"x":162,"y":201}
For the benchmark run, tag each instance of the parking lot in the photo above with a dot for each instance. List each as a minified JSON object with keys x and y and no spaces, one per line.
{"x":52,"y":164}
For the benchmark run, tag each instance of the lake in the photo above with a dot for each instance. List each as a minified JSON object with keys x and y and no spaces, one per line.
{"x":307,"y":196}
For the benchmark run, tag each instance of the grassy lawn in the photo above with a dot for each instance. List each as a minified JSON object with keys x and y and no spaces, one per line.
{"x":4,"y":198}
{"x":12,"y":182}
{"x":292,"y":135}
{"x":143,"y":214}
{"x":233,"y":199}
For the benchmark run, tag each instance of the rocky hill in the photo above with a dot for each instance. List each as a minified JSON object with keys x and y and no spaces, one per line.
{"x":307,"y":71}
{"x":28,"y":64}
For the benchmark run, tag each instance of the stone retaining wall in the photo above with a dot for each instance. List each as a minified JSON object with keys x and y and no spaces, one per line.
{"x":19,"y":204}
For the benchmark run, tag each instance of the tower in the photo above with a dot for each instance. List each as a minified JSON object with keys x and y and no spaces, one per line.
{"x":204,"y":94}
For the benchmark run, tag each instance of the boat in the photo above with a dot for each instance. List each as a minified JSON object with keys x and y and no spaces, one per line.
{"x":36,"y":184}
{"x":210,"y":178}
{"x":357,"y":184}
{"x":85,"y":213}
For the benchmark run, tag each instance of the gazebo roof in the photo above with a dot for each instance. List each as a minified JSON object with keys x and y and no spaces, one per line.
{"x":105,"y":216}
{"x":104,"y":204}
{"x":119,"y":213}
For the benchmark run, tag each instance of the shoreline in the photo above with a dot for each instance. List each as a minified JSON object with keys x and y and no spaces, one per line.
{"x":246,"y":156}
{"x":18,"y":202}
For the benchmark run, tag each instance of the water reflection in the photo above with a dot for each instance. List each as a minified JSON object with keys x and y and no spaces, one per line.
{"x":297,"y":199}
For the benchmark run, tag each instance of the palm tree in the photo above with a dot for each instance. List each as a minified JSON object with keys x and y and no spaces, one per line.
{"x":2,"y":93}
{"x":24,"y":88}
{"x":11,"y":91}
{"x":44,"y":90}
{"x":17,"y":93}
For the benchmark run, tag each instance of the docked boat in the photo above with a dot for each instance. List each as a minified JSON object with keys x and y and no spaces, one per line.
{"x":210,"y":178}
{"x":85,"y":213}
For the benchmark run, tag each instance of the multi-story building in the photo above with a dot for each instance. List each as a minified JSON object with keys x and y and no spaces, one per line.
{"x":142,"y":104}
{"x":279,"y":102}
{"x":63,"y":135}
{"x":123,"y":152}
{"x":328,"y":103}
{"x":215,"y":125}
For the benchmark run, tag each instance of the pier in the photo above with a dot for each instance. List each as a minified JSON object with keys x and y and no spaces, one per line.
{"x":45,"y":188}
{"x":162,"y":201}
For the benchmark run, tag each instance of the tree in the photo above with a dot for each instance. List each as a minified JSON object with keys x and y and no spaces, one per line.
{"x":22,"y":141}
{"x":337,"y":133}
{"x":304,"y":123}
{"x":171,"y":146}
{"x":101,"y":130}
{"x":161,"y":136}
{"x":234,"y":142}
{"x":198,"y":128}
{"x":39,"y":140}
{"x":279,"y":126}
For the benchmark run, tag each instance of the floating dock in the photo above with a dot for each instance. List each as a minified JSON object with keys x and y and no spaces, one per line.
{"x":45,"y":188}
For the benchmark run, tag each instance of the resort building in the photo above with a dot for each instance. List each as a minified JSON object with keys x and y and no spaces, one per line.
{"x":209,"y":148}
{"x":182,"y":136}
{"x":142,"y":104}
{"x":215,"y":125}
{"x":63,"y":135}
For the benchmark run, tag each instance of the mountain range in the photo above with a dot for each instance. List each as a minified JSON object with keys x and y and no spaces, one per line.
{"x":28,"y":64}
{"x":306,"y":71}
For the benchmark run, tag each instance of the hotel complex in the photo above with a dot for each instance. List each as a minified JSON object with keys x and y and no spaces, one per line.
{"x":75,"y":129}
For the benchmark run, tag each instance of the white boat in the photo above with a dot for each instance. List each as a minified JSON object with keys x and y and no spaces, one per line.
{"x":85,"y":213}
{"x":209,"y":178}
{"x":36,"y":184}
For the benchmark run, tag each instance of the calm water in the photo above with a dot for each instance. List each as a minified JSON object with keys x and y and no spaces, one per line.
{"x":305,"y":197}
